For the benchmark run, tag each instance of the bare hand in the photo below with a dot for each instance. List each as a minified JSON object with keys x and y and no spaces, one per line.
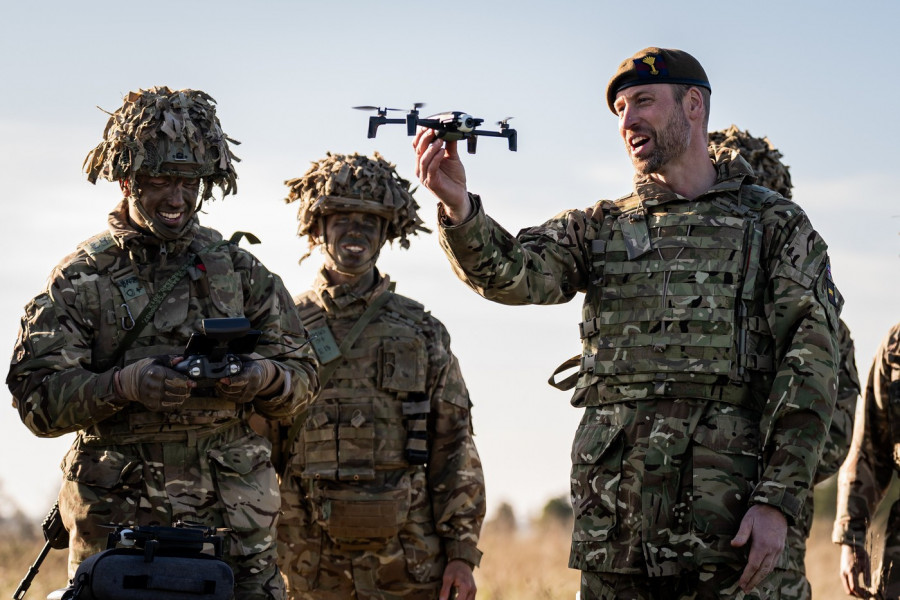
{"x":440,"y":170}
{"x":855,"y":562}
{"x":458,"y":574}
{"x":765,"y":527}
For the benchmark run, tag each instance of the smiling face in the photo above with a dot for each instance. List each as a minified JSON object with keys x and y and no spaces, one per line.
{"x":163,"y":204}
{"x":653,"y":125}
{"x":352,"y":241}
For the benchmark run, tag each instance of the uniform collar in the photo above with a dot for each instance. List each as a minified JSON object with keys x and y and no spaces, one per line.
{"x":343,"y":298}
{"x":732,"y":171}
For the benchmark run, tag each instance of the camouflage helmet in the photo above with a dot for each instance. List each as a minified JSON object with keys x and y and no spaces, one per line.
{"x":355,"y":183}
{"x":157,"y":127}
{"x":763,"y":157}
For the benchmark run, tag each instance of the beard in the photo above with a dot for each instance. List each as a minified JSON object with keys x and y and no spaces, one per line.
{"x":670,"y":142}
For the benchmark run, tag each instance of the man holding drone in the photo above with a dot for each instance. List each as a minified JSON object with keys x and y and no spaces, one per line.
{"x":709,"y":366}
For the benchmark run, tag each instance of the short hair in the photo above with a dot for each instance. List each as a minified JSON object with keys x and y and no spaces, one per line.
{"x":681,"y":90}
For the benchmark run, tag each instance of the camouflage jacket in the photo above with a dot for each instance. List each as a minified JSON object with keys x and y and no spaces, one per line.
{"x":402,"y":357}
{"x":635,"y":509}
{"x":875,"y":449}
{"x":837,"y":443}
{"x":59,"y":378}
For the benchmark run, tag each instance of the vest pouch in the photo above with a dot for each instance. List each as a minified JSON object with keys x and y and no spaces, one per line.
{"x":356,"y":440}
{"x":226,"y":288}
{"x":319,"y":439}
{"x":401,"y":365}
{"x":363,"y":519}
{"x":125,"y":574}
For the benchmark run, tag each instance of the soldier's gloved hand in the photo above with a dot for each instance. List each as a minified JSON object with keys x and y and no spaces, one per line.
{"x":154,"y":384}
{"x":259,"y":377}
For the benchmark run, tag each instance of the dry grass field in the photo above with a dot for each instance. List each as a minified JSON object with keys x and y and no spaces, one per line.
{"x":532,"y":566}
{"x":517,"y":565}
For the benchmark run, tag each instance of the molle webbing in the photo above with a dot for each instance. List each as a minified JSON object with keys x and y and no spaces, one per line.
{"x":373,"y":413}
{"x":678,"y":309}
{"x":416,"y":408}
{"x":317,"y":317}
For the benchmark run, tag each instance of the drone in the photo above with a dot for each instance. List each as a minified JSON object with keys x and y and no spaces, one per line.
{"x":451,"y":126}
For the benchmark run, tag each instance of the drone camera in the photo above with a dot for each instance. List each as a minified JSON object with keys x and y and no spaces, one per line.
{"x":466,"y":123}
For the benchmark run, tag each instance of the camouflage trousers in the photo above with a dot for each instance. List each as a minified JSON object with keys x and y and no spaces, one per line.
{"x":224,"y":481}
{"x":407,"y":566}
{"x":710,"y":582}
{"x":794,"y":585}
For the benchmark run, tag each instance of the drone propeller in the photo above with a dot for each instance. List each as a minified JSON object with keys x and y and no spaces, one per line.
{"x":381,"y":110}
{"x":504,"y":122}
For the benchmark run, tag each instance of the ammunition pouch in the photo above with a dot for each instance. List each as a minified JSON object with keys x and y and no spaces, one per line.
{"x":362,"y":519}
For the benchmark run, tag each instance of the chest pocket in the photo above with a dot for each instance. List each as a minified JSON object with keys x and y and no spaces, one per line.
{"x":401,"y":365}
{"x":226,"y":290}
{"x":174,"y":309}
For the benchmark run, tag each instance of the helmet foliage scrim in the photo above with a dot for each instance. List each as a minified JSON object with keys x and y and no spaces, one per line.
{"x":762,"y":156}
{"x":354,"y":183}
{"x":158,"y":129}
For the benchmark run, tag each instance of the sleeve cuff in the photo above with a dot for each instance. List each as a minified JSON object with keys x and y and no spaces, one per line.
{"x":777,"y":496}
{"x":464,"y":551}
{"x":474,"y":205}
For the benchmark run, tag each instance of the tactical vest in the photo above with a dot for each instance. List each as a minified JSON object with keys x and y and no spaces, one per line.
{"x":360,"y":422}
{"x":210,"y":289}
{"x":673,"y":308}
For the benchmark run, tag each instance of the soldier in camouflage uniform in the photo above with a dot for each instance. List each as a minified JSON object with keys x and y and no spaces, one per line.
{"x":383,"y":492}
{"x":866,"y":475}
{"x":770,"y":172}
{"x":153,"y":447}
{"x":709,"y":366}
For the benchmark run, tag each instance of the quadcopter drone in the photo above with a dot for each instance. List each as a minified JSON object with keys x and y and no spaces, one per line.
{"x":451,"y":126}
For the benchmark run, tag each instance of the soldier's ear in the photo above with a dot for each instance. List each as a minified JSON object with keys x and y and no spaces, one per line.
{"x":123,"y":185}
{"x":695,"y":103}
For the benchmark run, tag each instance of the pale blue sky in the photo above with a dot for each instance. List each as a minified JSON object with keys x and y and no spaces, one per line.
{"x":820,"y":82}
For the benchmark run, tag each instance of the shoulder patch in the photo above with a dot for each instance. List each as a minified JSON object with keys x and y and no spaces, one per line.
{"x":98,"y":243}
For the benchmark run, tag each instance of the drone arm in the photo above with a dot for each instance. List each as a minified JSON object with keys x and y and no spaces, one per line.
{"x":374,"y":122}
{"x":412,"y":120}
{"x":513,"y":139}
